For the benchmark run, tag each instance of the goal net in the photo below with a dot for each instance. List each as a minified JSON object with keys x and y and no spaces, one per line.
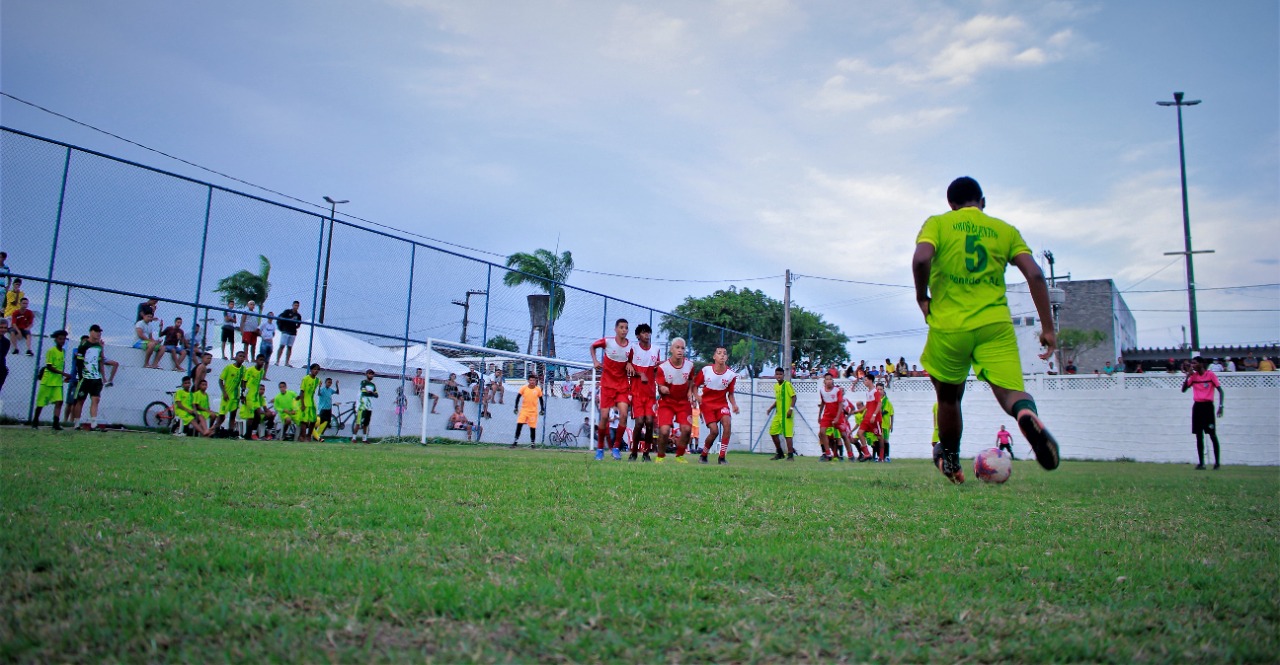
{"x":469,"y":394}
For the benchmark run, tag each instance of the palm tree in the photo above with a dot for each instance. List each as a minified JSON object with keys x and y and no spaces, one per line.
{"x":243,"y":286}
{"x":548,"y":272}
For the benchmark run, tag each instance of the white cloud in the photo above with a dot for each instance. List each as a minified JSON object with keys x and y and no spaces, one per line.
{"x":647,"y":36}
{"x":915,"y":121}
{"x":835,"y":95}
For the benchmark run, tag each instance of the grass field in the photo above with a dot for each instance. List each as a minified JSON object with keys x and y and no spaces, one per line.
{"x":128,"y":547}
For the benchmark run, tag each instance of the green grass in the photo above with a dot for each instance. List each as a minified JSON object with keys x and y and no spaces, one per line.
{"x":139,"y":547}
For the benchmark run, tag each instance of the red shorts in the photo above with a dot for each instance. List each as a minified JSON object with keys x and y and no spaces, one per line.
{"x":643,"y":401}
{"x":870,"y":427}
{"x":679,"y":411}
{"x":611,"y":396}
{"x":249,"y":337}
{"x":713,"y":413}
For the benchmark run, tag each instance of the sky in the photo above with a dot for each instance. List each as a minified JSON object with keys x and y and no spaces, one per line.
{"x":714,"y":141}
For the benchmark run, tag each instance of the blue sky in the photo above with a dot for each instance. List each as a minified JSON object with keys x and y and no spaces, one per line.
{"x":710,"y":140}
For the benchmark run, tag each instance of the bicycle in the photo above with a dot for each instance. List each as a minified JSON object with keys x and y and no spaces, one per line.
{"x":342,"y":417}
{"x":160,"y":415}
{"x":562,"y":437}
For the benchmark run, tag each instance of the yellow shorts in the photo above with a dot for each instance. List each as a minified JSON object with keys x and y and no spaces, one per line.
{"x":991,"y":350}
{"x":48,"y":395}
{"x":782,"y":425}
{"x":229,"y":405}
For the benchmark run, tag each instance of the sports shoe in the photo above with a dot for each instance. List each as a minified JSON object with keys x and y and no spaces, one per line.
{"x":57,"y":427}
{"x":1216,"y":465}
{"x":513,"y":444}
{"x":778,"y":456}
{"x":791,"y":457}
{"x":887,"y":460}
{"x":599,"y":454}
{"x":722,"y":460}
{"x":617,"y":455}
{"x":1042,"y":442}
{"x":632,"y":456}
{"x":34,"y":424}
{"x":824,"y":458}
{"x":179,"y":433}
{"x":254,"y":437}
{"x":84,"y":427}
{"x":645,"y":458}
{"x":660,"y":460}
{"x":1199,"y":467}
{"x":681,"y":459}
{"x":702,"y":458}
{"x":948,"y":464}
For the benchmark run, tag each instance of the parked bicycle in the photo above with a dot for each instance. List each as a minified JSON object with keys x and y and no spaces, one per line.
{"x":160,"y":415}
{"x":562,"y":437}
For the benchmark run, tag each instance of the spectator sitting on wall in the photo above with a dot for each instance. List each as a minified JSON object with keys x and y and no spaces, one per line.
{"x":5,"y":273}
{"x":453,"y":391}
{"x":1249,"y":364}
{"x":1216,"y":366}
{"x":499,"y":387}
{"x":1231,"y":365}
{"x":1108,"y":369}
{"x":22,"y":319}
{"x":419,"y":383}
{"x":288,"y":322}
{"x":1139,"y":369}
{"x":458,"y":422}
{"x":1172,"y":367}
{"x":1266,"y":365}
{"x":147,"y":330}
{"x":901,"y":367}
{"x":175,"y":343}
{"x":1071,"y":366}
{"x":13,"y":297}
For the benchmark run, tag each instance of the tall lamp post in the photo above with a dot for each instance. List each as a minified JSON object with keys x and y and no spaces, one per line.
{"x":324,"y":290}
{"x":466,"y":309}
{"x":1179,"y":102}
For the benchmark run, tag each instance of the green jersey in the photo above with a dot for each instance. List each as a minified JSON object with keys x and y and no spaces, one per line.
{"x":307,"y":392}
{"x":252,"y":378}
{"x":966,"y":280}
{"x":89,"y":359}
{"x":54,"y":359}
{"x":200,"y":402}
{"x":231,"y":377}
{"x":782,"y":394}
{"x":182,"y":404}
{"x":286,"y":402}
{"x":368,"y":391}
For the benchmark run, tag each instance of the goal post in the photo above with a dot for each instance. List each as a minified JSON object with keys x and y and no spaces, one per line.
{"x":495,"y":421}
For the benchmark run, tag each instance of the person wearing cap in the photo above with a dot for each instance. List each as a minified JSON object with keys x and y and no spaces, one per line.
{"x":50,"y":380}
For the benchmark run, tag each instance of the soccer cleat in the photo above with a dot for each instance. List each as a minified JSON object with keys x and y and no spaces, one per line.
{"x":1199,"y":467}
{"x":632,"y":456}
{"x":660,"y":460}
{"x":645,"y":458}
{"x":34,"y":425}
{"x":824,"y":458}
{"x":948,"y":464}
{"x":599,"y":454}
{"x":179,"y":433}
{"x":513,"y":444}
{"x":702,"y":458}
{"x":778,"y":456}
{"x":57,"y":427}
{"x":887,"y":460}
{"x":681,"y":459}
{"x":617,"y":455}
{"x":791,"y":457}
{"x":1042,"y":442}
{"x":722,"y":460}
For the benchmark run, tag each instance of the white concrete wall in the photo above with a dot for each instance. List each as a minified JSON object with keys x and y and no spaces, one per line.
{"x":1141,"y":417}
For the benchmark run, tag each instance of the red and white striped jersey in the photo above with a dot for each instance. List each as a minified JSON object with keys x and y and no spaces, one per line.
{"x":675,"y":378}
{"x":832,"y":402}
{"x":715,"y":387}
{"x":614,"y":373}
{"x":645,"y":360}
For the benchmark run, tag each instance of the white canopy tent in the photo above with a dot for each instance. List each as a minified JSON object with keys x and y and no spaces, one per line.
{"x":338,"y":351}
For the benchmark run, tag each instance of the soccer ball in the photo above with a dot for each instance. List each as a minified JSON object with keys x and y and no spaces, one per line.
{"x":993,"y":465}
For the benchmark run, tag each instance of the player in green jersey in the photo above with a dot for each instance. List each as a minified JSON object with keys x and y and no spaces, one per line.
{"x":783,"y":424}
{"x":364,"y":408}
{"x":251,"y":406}
{"x":229,"y":381}
{"x":959,"y":266}
{"x":307,"y":402}
{"x":50,"y":380}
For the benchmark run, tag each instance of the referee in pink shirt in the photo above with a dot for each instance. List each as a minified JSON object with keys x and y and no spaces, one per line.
{"x":1202,"y":383}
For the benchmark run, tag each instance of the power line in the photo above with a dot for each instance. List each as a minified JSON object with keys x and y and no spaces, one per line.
{"x":688,"y":281}
{"x":1205,"y":310}
{"x":1209,"y":288}
{"x":1166,"y":267}
{"x":853,"y":281}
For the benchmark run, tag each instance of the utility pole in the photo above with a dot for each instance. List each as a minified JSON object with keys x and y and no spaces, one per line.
{"x":324,"y":290}
{"x":466,"y":310}
{"x":1186,"y":224}
{"x":786,"y":326}
{"x":1057,"y":297}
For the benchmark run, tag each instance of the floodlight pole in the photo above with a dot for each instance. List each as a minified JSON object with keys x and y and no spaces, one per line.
{"x":786,"y":326}
{"x":324,"y":290}
{"x":1178,"y":102}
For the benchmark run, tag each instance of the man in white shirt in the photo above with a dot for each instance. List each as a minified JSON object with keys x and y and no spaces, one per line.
{"x":147,"y":330}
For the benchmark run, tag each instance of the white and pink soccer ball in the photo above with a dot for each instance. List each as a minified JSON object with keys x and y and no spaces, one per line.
{"x":993,"y":465}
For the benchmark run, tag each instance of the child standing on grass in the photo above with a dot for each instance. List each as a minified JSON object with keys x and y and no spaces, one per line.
{"x":50,"y":380}
{"x":531,"y":397}
{"x":307,"y":402}
{"x":324,"y":402}
{"x":364,"y":407}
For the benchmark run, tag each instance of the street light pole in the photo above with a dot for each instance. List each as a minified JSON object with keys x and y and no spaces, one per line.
{"x":1186,"y":222}
{"x":324,"y":290}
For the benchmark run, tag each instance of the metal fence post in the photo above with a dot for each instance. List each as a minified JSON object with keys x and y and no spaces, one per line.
{"x":315,"y":294}
{"x":488,"y":287}
{"x":48,"y":284}
{"x":195,"y":310}
{"x":751,"y":400}
{"x":404,"y":361}
{"x":423,"y":439}
{"x":66,"y":304}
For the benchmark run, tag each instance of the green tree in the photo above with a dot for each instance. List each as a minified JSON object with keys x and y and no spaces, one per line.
{"x":546,"y":271}
{"x":1074,"y":341}
{"x":243,"y":286}
{"x":503,"y":343}
{"x":754,"y":313}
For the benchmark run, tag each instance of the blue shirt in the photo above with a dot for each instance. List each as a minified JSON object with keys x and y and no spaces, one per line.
{"x":324,"y":398}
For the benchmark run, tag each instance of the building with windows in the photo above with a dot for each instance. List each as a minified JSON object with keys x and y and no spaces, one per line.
{"x":1090,"y":304}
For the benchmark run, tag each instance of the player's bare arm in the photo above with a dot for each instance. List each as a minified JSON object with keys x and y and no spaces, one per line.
{"x":1040,"y":296}
{"x":921,"y":265}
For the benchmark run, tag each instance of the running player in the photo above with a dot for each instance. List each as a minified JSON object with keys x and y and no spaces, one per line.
{"x":717,"y":383}
{"x":830,"y":406}
{"x":307,"y":401}
{"x":364,"y":407}
{"x":783,"y":409}
{"x":643,"y":367}
{"x":324,"y":402}
{"x":1202,"y":382}
{"x":871,"y":416}
{"x":958,"y":268}
{"x":1004,"y":441}
{"x":229,"y":381}
{"x":90,"y":358}
{"x":50,"y":380}
{"x":531,"y":396}
{"x":615,"y":384}
{"x":673,"y":380}
{"x":252,"y":404}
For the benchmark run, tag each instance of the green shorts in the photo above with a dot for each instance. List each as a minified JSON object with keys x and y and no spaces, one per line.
{"x":229,"y":405}
{"x":48,"y":395}
{"x":834,"y":433}
{"x":782,"y":425}
{"x":307,"y":415}
{"x":991,"y":350}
